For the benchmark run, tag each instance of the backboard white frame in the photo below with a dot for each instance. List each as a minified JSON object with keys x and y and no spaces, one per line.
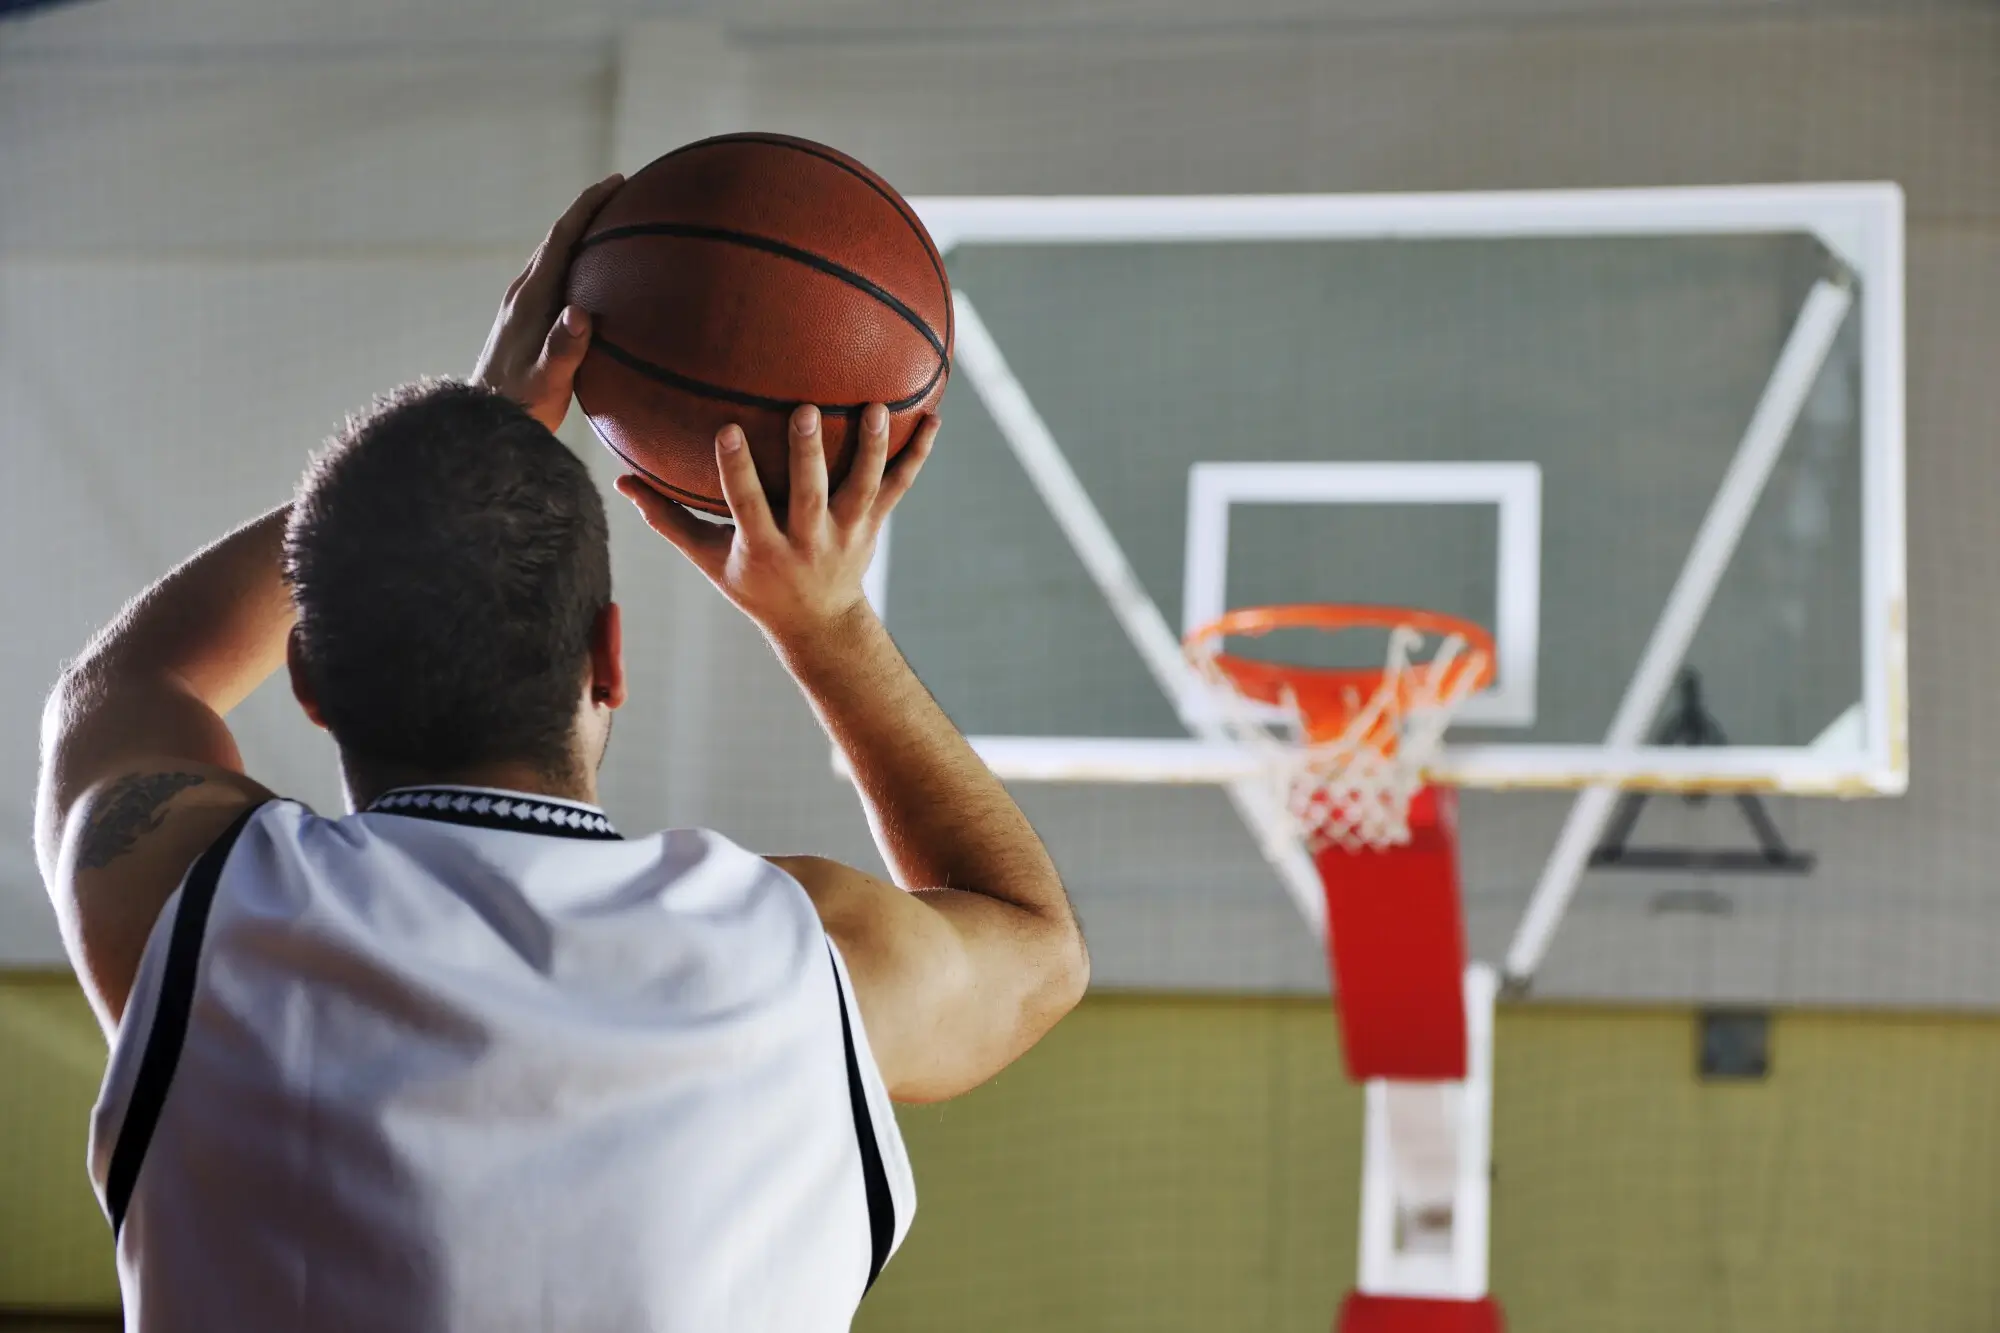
{"x":1861,"y":225}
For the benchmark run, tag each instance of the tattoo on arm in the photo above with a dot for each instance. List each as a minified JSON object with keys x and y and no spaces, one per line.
{"x":129,"y":811}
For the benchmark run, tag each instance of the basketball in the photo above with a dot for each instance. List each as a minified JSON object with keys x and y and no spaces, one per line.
{"x":738,"y":277}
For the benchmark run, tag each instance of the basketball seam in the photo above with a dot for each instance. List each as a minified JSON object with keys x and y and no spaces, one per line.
{"x":692,"y":231}
{"x":895,"y":201}
{"x":703,"y":389}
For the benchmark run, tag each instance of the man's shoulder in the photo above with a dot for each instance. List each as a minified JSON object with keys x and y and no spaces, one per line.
{"x":129,"y":842}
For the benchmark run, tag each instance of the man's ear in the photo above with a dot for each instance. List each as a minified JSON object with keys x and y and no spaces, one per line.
{"x":302,"y":690}
{"x":607,"y":658}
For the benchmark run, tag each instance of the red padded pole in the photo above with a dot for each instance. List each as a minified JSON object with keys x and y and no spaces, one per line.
{"x":1396,"y":942}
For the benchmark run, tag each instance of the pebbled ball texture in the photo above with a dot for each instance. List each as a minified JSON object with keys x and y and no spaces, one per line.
{"x":738,"y":277}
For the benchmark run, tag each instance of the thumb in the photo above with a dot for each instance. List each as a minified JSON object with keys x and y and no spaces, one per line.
{"x":705,"y":544}
{"x":563,"y":351}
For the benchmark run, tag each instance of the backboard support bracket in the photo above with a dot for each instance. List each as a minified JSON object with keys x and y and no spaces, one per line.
{"x":1691,"y":723}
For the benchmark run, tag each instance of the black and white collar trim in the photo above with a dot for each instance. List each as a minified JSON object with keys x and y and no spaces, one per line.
{"x":482,"y":807}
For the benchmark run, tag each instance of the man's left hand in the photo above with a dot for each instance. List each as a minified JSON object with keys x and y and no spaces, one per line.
{"x":537,"y":342}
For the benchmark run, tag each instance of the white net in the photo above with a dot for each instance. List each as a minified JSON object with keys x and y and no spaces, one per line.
{"x":1352,"y":788}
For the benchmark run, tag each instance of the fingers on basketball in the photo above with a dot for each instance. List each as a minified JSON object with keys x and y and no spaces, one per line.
{"x":902,"y":473}
{"x":854,"y":501}
{"x":742,"y":490}
{"x":807,"y":506}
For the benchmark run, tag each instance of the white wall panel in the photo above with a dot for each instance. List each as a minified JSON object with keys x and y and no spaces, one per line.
{"x":1917,"y":102}
{"x":1042,"y":116}
{"x":295,"y":159}
{"x":129,"y":26}
{"x":206,"y":29}
{"x":883,"y":20}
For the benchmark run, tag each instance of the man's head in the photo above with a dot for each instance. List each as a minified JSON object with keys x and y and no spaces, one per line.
{"x":450,"y":563}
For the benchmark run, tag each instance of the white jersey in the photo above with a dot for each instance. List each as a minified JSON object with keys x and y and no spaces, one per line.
{"x":469,"y":1060}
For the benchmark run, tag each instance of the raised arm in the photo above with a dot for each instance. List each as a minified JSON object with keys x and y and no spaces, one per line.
{"x":139,"y":771}
{"x":960,"y":975}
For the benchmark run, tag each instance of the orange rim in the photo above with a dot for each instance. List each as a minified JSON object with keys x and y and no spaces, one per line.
{"x":1328,"y":698}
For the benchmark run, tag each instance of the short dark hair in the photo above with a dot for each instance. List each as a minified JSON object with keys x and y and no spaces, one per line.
{"x":448,"y":557}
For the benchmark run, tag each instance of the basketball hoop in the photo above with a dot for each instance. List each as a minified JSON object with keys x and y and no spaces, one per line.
{"x":1347,"y":746}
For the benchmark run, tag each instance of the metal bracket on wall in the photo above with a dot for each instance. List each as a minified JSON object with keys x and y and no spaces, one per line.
{"x":1690,"y":723}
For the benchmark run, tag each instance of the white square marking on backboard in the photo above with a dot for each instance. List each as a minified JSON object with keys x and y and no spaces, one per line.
{"x":1514,"y":489}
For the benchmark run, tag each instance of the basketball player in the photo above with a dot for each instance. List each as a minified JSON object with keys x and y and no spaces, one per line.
{"x":468,"y":1058}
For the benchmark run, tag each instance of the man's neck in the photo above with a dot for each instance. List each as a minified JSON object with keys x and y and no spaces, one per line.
{"x":364,"y":784}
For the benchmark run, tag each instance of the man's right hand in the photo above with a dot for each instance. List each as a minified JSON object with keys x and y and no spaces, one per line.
{"x":802,"y":575}
{"x":973,"y":953}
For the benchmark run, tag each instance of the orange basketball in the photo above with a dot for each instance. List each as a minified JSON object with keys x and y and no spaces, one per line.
{"x":738,"y":277}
